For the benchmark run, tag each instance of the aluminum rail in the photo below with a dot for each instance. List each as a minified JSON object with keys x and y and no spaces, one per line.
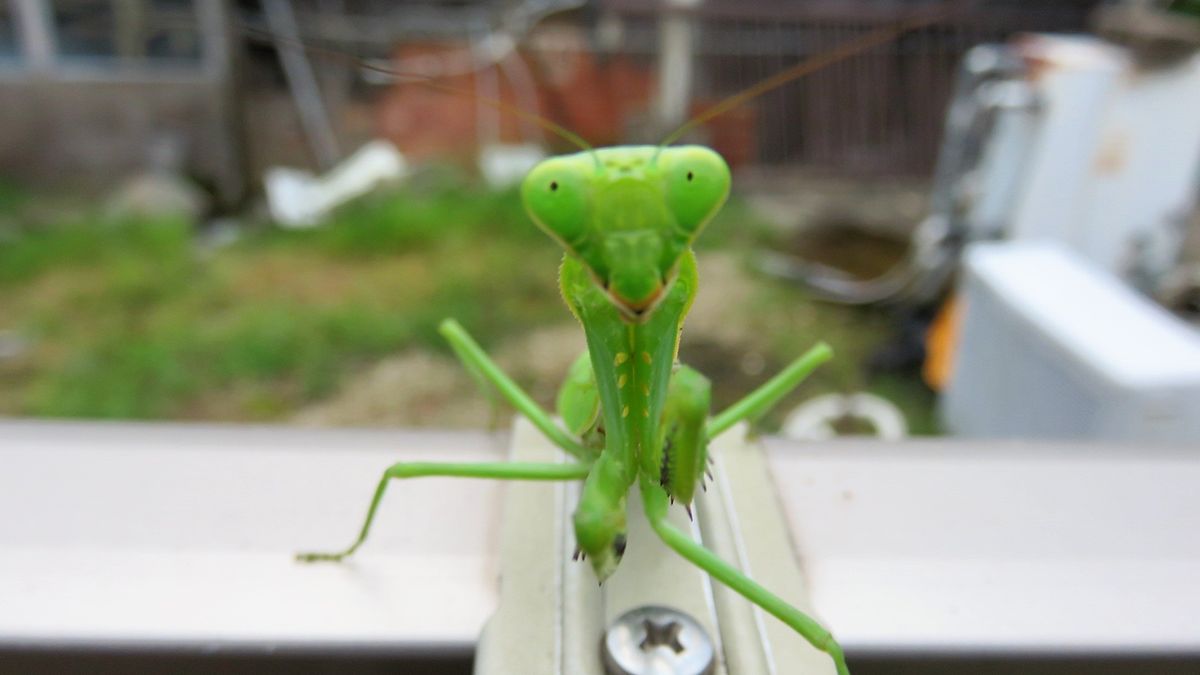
{"x":179,"y":537}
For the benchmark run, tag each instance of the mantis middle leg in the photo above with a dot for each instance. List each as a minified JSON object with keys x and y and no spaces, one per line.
{"x":759,"y":401}
{"x":493,"y":470}
{"x":655,"y":501}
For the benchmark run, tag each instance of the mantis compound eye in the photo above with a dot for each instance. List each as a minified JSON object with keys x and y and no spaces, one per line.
{"x":556,"y":195}
{"x":697,"y":183}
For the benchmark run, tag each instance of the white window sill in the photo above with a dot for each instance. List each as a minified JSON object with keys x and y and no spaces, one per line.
{"x":181,"y":536}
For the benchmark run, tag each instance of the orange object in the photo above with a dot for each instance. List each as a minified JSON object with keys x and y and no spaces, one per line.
{"x":941,"y":343}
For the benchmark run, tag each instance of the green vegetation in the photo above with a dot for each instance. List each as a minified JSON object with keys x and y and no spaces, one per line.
{"x":135,"y":319}
{"x":132,"y":319}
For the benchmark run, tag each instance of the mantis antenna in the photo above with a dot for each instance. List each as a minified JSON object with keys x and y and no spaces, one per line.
{"x":425,"y":81}
{"x":812,"y":64}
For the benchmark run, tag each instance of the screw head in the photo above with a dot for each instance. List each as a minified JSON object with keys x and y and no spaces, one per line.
{"x":657,"y":641}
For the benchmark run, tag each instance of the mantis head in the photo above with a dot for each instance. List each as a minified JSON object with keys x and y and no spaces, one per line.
{"x":628,"y":213}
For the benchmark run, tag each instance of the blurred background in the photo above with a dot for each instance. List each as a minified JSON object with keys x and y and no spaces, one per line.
{"x":230,"y":211}
{"x":258,"y":211}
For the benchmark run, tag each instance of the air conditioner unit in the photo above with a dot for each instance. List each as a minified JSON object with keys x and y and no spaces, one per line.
{"x":1052,"y":346}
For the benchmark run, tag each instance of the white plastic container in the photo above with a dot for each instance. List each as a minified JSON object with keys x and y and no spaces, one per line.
{"x":1053,"y":347}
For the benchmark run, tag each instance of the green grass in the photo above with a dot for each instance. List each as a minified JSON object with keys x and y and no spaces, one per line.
{"x":446,"y":213}
{"x":131,"y":319}
{"x":26,"y":255}
{"x":13,"y":197}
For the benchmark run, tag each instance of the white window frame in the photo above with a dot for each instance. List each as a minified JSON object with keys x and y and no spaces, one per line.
{"x":39,"y":57}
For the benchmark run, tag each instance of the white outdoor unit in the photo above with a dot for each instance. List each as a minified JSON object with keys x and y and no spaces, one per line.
{"x":1052,"y":346}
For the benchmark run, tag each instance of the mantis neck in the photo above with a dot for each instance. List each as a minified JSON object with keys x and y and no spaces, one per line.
{"x":632,"y":364}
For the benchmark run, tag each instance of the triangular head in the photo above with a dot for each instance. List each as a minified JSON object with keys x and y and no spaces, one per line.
{"x":628,"y":213}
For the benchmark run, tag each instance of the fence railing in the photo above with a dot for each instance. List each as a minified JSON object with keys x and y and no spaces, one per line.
{"x":878,"y":112}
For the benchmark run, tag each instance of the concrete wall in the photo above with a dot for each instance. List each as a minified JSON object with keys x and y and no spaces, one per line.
{"x":97,"y":132}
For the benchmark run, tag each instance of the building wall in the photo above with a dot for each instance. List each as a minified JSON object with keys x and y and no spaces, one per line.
{"x":96,"y":132}
{"x":92,"y":92}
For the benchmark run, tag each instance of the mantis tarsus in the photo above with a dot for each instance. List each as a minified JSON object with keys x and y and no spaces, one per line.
{"x":631,"y":414}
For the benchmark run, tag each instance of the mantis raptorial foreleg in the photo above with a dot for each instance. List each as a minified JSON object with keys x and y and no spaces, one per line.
{"x":758,"y":402}
{"x":478,"y":363}
{"x":492,"y":470}
{"x":654,"y":499}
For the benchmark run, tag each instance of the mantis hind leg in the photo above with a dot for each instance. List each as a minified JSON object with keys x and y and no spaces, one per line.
{"x":655,"y":501}
{"x":493,"y":470}
{"x":758,"y":402}
{"x":483,"y":368}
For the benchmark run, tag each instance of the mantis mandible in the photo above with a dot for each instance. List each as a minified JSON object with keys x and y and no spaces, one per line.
{"x":632,"y":416}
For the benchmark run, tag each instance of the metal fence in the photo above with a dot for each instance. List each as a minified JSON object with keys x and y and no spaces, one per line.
{"x":878,"y":112}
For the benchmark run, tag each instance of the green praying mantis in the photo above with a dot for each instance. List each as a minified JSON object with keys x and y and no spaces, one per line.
{"x":632,"y":416}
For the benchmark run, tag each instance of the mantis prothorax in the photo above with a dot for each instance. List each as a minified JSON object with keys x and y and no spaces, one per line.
{"x":632,"y":415}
